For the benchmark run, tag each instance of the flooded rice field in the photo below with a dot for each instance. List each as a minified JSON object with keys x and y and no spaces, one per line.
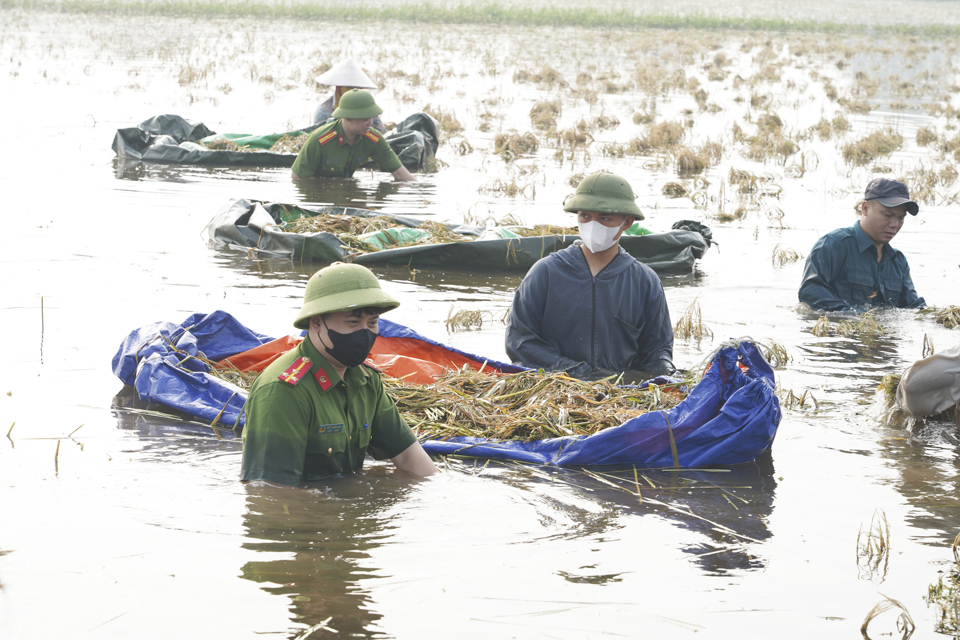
{"x":118,"y":522}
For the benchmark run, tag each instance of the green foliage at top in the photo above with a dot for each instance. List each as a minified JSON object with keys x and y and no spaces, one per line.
{"x":486,"y":13}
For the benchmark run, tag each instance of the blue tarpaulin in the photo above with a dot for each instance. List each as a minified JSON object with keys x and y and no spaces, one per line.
{"x":729,"y":417}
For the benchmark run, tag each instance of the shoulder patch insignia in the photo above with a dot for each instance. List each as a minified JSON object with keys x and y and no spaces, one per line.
{"x":295,"y":372}
{"x":322,"y":378}
{"x":373,"y":136}
{"x":327,"y":137}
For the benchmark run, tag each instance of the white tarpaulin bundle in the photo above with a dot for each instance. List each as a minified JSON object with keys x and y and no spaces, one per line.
{"x":931,"y":385}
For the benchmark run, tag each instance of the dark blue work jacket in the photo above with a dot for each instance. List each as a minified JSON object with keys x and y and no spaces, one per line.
{"x":564,"y":319}
{"x":842,"y":272}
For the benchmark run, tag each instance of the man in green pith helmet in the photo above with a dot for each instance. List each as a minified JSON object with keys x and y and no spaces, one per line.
{"x":318,"y":410}
{"x":592,"y":310}
{"x":336,"y":149}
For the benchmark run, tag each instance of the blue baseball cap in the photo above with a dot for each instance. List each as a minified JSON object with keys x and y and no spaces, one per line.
{"x":890,"y":193}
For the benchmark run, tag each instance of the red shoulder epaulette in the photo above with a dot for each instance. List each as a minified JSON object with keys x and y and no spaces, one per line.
{"x":373,"y":136}
{"x":327,"y":137}
{"x":322,"y":378}
{"x":370,"y":365}
{"x":295,"y":372}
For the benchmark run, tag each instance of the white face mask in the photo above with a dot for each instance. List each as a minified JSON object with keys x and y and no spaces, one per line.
{"x":597,"y":237}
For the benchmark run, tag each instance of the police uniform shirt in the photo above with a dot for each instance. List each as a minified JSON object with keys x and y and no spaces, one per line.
{"x":326,"y":153}
{"x":306,"y":423}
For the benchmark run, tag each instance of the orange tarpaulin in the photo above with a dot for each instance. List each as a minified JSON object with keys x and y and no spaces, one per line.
{"x":411,"y":360}
{"x":259,"y":358}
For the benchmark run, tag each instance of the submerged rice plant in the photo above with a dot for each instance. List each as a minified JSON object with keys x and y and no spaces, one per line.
{"x":510,"y":189}
{"x":926,"y":136}
{"x":790,"y":400}
{"x":864,"y":327}
{"x":689,"y":162}
{"x":873,"y":547}
{"x":776,"y":352}
{"x":544,"y":114}
{"x":660,"y":136}
{"x":875,"y":145}
{"x":674,"y":190}
{"x":888,"y":389}
{"x":945,"y":597}
{"x":547,"y":75}
{"x":690,"y":325}
{"x":511,"y":145}
{"x":949,"y":317}
{"x":464,"y":320}
{"x":448,"y":122}
{"x":822,"y":327}
{"x":891,"y":412}
{"x":905,"y":622}
{"x":827,"y":129}
{"x":930,"y":184}
{"x":783,"y":256}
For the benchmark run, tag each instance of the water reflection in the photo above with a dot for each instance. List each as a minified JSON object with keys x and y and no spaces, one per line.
{"x":446,"y":279}
{"x":311,"y":542}
{"x":728,"y":507}
{"x":860,"y":360}
{"x":347,"y":192}
{"x":926,"y":455}
{"x":314,"y":544}
{"x":135,"y":170}
{"x":168,"y":432}
{"x":437,"y":280}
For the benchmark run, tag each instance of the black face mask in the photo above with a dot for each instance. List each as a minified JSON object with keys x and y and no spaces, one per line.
{"x":350,"y":349}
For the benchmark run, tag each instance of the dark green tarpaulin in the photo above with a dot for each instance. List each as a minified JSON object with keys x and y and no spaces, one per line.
{"x":247,"y":224}
{"x":170,"y":139}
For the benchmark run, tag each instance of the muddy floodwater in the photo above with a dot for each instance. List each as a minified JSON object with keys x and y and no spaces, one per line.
{"x":118,"y":522}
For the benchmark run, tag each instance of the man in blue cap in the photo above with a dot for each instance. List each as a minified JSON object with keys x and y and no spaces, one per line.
{"x":855,"y":267}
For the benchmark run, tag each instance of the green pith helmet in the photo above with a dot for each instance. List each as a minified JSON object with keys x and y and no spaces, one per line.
{"x":342,"y":287}
{"x":357,"y":104}
{"x":603,"y":192}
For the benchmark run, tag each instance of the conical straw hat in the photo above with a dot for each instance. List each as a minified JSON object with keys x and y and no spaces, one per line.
{"x":346,"y":74}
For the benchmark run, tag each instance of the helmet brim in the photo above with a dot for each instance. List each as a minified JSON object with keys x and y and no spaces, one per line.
{"x":601,"y":204}
{"x":358,"y":114}
{"x":355,"y":299}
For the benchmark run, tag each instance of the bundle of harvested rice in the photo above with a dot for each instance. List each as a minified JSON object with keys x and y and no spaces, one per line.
{"x":524,"y":406}
{"x":222,"y":144}
{"x":339,"y":224}
{"x":545,"y":230}
{"x":286,"y":143}
{"x":347,"y":228}
{"x":289,"y":143}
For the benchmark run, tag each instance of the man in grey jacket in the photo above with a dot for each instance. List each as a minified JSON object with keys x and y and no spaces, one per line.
{"x":592,"y":310}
